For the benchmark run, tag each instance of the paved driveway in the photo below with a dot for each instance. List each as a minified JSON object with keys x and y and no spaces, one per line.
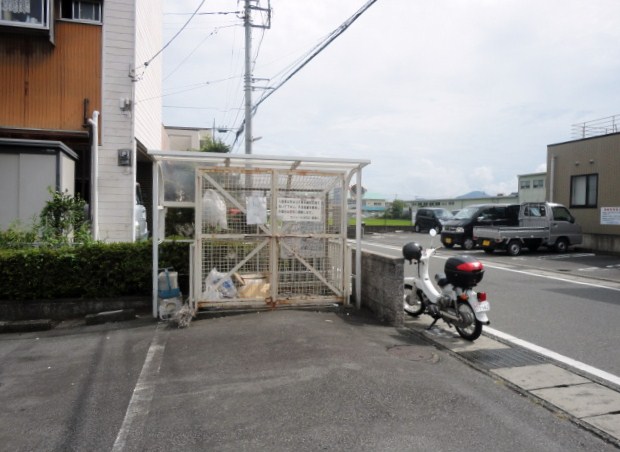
{"x":277,"y":381}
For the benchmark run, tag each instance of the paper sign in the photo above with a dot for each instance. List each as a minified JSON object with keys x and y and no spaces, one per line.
{"x":300,"y":209}
{"x":610,"y":215}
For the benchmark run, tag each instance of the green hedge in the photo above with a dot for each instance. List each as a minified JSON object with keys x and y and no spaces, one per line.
{"x":94,"y":271}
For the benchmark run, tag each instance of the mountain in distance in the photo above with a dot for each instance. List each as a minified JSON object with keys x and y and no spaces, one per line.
{"x":473,"y":194}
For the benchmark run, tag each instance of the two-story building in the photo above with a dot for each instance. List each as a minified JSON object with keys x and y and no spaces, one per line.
{"x":81,"y":79}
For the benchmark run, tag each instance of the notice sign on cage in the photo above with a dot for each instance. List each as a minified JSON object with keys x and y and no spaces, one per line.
{"x":300,"y":209}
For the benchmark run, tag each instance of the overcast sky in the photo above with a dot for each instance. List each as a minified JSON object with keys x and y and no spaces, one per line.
{"x":443,"y":97}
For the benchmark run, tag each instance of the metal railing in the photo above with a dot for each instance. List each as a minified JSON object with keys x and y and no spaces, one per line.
{"x":595,"y":127}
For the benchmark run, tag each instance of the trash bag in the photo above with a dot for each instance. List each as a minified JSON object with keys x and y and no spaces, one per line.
{"x":214,"y":209}
{"x":225,"y":289}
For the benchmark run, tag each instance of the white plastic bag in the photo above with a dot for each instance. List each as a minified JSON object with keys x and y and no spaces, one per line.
{"x":225,"y":289}
{"x":214,"y":209}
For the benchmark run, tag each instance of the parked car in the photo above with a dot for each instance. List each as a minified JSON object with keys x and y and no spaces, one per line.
{"x":540,"y":224}
{"x":459,"y":230}
{"x":431,"y":218}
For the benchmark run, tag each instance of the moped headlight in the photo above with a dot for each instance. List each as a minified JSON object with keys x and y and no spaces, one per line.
{"x":460,"y":230}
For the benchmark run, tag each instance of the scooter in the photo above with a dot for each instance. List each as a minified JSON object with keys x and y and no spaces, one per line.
{"x":456,"y":303}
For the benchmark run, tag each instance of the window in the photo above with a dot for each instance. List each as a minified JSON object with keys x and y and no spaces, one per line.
{"x":82,"y":10}
{"x":24,"y":13}
{"x":525,"y":184}
{"x":584,"y":190}
{"x":538,"y":183}
{"x":561,"y":214}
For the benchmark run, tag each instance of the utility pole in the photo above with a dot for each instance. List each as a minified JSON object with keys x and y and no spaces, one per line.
{"x":247,"y":23}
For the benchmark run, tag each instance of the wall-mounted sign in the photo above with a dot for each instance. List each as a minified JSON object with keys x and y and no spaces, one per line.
{"x":610,"y":215}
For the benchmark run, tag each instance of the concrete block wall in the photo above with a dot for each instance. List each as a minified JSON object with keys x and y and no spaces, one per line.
{"x":382,"y":286}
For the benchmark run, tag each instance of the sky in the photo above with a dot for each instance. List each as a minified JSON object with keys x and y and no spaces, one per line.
{"x":444,"y":97}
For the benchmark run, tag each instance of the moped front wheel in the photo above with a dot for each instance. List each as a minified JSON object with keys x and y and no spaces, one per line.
{"x":470,"y":327}
{"x":412,"y":302}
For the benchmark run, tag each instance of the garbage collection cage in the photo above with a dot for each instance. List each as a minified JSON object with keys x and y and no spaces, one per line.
{"x":267,"y":231}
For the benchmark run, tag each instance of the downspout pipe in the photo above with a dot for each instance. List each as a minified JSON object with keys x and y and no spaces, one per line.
{"x":94,"y":175}
{"x":552,"y":179}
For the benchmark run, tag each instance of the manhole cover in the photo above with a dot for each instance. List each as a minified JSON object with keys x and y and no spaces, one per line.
{"x":414,"y":353}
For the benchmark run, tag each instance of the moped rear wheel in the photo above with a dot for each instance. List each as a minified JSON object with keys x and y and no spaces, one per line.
{"x":412,"y":303}
{"x":471,"y":328}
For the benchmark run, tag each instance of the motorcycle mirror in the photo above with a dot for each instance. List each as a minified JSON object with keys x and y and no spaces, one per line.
{"x":432,"y":232}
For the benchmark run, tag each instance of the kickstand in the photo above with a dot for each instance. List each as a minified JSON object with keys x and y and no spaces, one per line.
{"x":432,"y":324}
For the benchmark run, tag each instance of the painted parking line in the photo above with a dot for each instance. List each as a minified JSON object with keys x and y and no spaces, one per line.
{"x":140,"y":403}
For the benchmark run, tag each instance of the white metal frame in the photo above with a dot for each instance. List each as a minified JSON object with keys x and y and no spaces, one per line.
{"x":345,"y":168}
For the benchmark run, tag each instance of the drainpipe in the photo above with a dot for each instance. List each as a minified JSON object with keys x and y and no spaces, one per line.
{"x":551,"y":178}
{"x":94,"y":175}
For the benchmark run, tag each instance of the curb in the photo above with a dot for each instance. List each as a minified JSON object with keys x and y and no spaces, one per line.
{"x":110,"y":316}
{"x":25,"y":326}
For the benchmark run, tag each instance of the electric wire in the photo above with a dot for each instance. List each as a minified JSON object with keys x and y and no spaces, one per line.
{"x":146,"y":63}
{"x":214,"y":32}
{"x":318,"y":49}
{"x":335,"y":34}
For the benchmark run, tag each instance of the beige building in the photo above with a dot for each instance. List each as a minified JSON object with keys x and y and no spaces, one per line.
{"x":583,"y":175}
{"x":186,"y":138}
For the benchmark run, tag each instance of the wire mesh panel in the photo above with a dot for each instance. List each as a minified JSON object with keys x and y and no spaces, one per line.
{"x":271,"y":235}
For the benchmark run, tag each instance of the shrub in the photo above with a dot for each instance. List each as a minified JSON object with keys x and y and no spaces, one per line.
{"x":100,"y":270}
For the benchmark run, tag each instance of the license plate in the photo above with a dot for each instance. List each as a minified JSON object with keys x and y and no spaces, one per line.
{"x":486,"y":242}
{"x":482,"y":307}
{"x":448,"y":240}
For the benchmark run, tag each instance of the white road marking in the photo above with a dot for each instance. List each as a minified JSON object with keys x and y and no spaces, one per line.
{"x":555,"y":356}
{"x":541,"y":350}
{"x":523,"y":272}
{"x":555,"y":278}
{"x":565,"y":256}
{"x":140,"y":403}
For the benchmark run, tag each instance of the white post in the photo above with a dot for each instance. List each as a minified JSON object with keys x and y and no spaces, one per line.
{"x":358,"y":239}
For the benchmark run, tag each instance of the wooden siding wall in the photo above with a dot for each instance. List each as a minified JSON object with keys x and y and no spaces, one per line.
{"x":44,"y":86}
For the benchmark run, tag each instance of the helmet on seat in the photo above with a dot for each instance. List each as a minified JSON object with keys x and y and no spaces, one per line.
{"x":411,"y":251}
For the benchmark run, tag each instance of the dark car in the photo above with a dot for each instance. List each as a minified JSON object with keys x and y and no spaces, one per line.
{"x":431,"y":218}
{"x":460,"y":229}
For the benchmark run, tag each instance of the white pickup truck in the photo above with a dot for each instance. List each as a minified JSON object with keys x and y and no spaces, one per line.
{"x":540,"y":224}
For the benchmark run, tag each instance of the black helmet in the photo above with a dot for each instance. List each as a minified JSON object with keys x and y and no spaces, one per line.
{"x":411,"y":251}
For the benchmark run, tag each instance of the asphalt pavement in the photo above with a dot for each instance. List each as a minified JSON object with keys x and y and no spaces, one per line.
{"x":279,"y":380}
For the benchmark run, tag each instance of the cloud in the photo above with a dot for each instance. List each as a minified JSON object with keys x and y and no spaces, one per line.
{"x":443,"y":97}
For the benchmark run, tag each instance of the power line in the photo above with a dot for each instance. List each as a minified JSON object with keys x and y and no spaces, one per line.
{"x":318,"y":49}
{"x":214,"y":32}
{"x":146,"y":63}
{"x":333,"y":35}
{"x":204,"y":13}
